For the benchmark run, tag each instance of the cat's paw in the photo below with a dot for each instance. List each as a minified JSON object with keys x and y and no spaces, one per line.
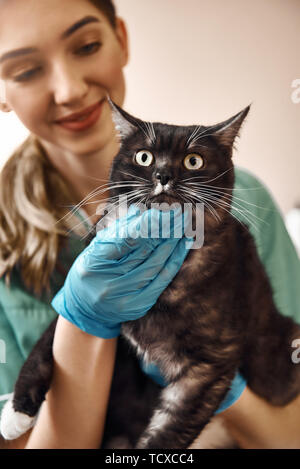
{"x":13,"y":424}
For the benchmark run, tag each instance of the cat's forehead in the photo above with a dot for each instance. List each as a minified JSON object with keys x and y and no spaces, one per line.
{"x":166,"y":136}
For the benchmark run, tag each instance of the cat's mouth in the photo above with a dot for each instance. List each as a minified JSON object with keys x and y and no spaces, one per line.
{"x":164,"y":197}
{"x":164,"y":194}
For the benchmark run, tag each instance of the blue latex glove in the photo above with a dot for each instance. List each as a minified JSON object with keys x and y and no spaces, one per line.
{"x":237,"y":387}
{"x":120,"y":275}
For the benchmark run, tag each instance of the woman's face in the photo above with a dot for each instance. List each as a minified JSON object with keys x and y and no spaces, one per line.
{"x":58,"y":58}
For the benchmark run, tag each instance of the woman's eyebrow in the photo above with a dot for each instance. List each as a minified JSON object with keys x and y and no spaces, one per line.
{"x":79,"y":24}
{"x":30,"y":50}
{"x":18,"y":52}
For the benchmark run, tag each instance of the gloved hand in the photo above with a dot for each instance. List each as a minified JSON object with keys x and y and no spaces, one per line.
{"x":120,"y":275}
{"x":237,"y":387}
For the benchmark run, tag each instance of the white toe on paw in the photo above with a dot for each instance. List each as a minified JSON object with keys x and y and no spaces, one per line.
{"x":13,"y":424}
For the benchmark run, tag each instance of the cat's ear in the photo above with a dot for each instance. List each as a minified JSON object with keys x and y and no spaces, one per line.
{"x":125,"y":124}
{"x":227,"y":131}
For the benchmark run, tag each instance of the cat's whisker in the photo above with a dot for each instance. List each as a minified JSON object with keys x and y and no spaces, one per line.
{"x":113,"y":206}
{"x":235,"y":199}
{"x":136,"y":177}
{"x":222,"y":204}
{"x":193,"y":134}
{"x":202,"y":134}
{"x":235,"y":202}
{"x":103,"y":188}
{"x":227,"y":208}
{"x":224,"y":188}
{"x":219,"y":175}
{"x":203,"y":177}
{"x":94,"y":191}
{"x":188,"y":196}
{"x":212,"y":211}
{"x":242,"y":213}
{"x":93,"y":225}
{"x":97,"y":191}
{"x":96,"y":202}
{"x":205,"y":134}
{"x":192,"y":178}
{"x":147,"y":131}
{"x":87,"y":219}
{"x":94,"y":179}
{"x":241,"y":210}
{"x":152,"y":131}
{"x":111,"y":199}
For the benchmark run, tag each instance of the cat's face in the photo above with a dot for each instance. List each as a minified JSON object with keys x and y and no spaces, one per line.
{"x":167,"y":163}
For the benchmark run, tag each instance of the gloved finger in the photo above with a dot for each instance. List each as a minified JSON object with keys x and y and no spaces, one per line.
{"x":154,"y":274}
{"x":143,"y":274}
{"x":173,"y":263}
{"x":157,"y":224}
{"x":111,"y":243}
{"x":151,"y":225}
{"x":123,"y":236}
{"x":130,"y":235}
{"x":143,"y":256}
{"x":153,"y":290}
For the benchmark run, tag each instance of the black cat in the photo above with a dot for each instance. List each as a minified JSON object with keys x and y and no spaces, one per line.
{"x":218,"y":314}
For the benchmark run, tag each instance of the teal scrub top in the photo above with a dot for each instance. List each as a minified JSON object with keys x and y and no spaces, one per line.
{"x":23,"y":317}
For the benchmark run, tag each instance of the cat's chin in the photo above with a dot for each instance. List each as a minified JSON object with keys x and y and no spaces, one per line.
{"x":164,"y":199}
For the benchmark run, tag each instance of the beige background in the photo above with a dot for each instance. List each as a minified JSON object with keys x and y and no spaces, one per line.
{"x":201,"y":61}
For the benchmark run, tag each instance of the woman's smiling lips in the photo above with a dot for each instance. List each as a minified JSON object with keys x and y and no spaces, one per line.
{"x":82,"y":120}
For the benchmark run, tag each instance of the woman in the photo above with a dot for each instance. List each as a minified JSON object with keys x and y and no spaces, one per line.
{"x":49,"y":78}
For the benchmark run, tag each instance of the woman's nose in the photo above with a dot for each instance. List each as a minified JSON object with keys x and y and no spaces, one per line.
{"x":68,"y":86}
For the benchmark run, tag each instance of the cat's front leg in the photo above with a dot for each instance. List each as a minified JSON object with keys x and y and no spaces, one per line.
{"x":186,"y":407}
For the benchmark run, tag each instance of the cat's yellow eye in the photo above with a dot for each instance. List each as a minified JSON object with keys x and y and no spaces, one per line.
{"x":144,"y":158}
{"x":193,"y":161}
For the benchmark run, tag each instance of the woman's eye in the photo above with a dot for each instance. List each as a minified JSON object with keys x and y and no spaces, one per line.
{"x":193,"y":161}
{"x":26,"y":76}
{"x":89,"y":48}
{"x":144,"y":158}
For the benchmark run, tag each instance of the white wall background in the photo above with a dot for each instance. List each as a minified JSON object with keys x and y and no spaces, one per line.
{"x":12,"y":133}
{"x":201,"y":61}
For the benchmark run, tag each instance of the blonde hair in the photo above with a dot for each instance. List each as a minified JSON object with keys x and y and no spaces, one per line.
{"x":33,"y":198}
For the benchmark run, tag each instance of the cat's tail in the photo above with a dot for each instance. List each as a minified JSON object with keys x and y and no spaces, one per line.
{"x":20,"y":412}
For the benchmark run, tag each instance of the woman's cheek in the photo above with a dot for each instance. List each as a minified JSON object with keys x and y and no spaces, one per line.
{"x":115,"y":79}
{"x":27,"y":106}
{"x":34,"y":118}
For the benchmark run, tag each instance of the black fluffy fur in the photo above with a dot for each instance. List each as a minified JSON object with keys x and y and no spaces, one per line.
{"x":217,"y":316}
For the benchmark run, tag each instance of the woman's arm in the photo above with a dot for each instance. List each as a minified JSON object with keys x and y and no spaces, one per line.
{"x":73,"y":414}
{"x":254,"y":423}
